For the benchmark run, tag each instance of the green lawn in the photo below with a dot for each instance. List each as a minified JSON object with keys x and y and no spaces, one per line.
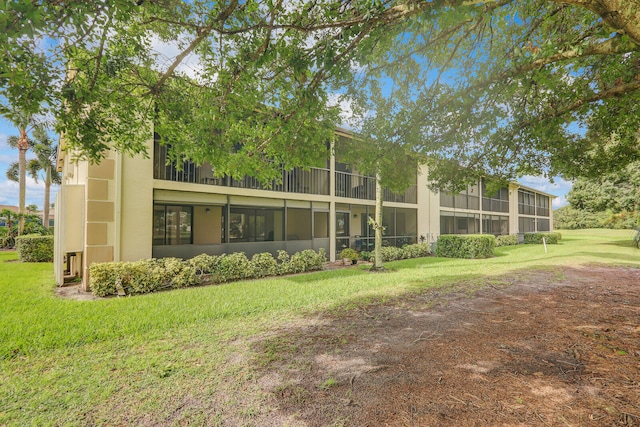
{"x":137,"y":360}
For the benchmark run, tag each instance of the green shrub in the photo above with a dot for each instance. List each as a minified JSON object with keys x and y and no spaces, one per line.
{"x":203,"y":263}
{"x":104,"y":276}
{"x":365,"y":255}
{"x":264,"y":264}
{"x":392,"y":253}
{"x":35,"y":248}
{"x":141,"y":277}
{"x":348,"y":253}
{"x":536,"y":238}
{"x":509,"y":240}
{"x":151,"y":275}
{"x":466,"y":246}
{"x":307,"y":260}
{"x":417,"y":250}
{"x":178,"y":273}
{"x":233,"y":266}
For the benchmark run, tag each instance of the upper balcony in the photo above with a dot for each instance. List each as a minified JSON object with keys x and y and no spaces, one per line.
{"x":297,"y":180}
{"x":356,"y":186}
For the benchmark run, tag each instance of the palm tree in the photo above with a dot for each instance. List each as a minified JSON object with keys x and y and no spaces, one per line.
{"x":22,"y":143}
{"x":46,"y":151}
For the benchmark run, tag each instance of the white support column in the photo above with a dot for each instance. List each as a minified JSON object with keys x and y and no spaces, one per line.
{"x":332,"y":203}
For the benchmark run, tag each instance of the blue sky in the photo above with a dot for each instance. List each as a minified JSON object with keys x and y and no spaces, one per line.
{"x":9,"y":189}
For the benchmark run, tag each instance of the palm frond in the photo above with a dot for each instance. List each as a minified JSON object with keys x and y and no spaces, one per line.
{"x":13,"y":172}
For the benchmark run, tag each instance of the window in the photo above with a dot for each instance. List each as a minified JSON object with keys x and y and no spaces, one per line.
{"x":495,"y":224}
{"x":495,"y":202}
{"x":467,"y":199}
{"x":320,"y":225}
{"x":342,"y":224}
{"x":459,"y":223}
{"x":526,"y":225}
{"x":255,"y":224}
{"x":542,"y":205}
{"x":298,"y":224}
{"x":526,"y":202}
{"x":389,"y":221}
{"x":543,"y":224}
{"x":172,"y":225}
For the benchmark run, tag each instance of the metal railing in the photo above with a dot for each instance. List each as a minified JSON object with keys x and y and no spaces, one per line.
{"x":363,"y":187}
{"x":495,"y":205}
{"x":297,"y":180}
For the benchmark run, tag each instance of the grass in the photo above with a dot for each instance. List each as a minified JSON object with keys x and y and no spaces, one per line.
{"x":184,"y":357}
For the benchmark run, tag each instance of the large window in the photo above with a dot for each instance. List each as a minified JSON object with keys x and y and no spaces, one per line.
{"x":256,"y":224}
{"x":526,"y":202}
{"x":496,"y":201}
{"x":495,"y":224}
{"x":543,"y":224}
{"x":320,"y":225}
{"x":542,"y":205}
{"x":459,"y":223}
{"x":298,"y":224}
{"x":526,"y":225}
{"x":172,"y":225}
{"x":467,"y":199}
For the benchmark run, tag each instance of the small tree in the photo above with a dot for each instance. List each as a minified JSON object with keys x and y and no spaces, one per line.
{"x":380,"y":149}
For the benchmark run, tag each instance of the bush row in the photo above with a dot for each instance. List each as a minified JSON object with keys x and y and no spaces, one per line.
{"x":392,"y":253}
{"x":536,"y":238}
{"x":35,"y":248}
{"x":508,"y":240}
{"x":466,"y":246}
{"x":139,"y":277}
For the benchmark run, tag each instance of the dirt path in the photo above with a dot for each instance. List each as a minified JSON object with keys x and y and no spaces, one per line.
{"x":557,"y":348}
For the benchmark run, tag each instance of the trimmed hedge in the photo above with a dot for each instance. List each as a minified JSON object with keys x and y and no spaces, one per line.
{"x":509,"y":240}
{"x":35,"y":248}
{"x":466,"y":246}
{"x":392,"y":253}
{"x":150,"y":275}
{"x":536,"y":238}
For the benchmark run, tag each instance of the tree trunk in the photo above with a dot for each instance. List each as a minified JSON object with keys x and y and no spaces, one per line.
{"x":377,"y":226}
{"x":23,"y":146}
{"x":47,"y":190}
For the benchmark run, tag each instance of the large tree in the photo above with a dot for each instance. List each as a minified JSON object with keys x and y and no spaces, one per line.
{"x":512,"y":88}
{"x":505,"y":85}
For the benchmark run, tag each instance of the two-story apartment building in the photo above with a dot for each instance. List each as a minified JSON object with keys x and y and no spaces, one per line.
{"x":130,"y":208}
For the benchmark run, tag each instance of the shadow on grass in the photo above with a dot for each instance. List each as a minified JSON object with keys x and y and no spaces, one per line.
{"x":324,"y":275}
{"x":622,"y":244}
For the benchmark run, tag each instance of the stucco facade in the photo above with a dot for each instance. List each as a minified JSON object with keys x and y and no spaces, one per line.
{"x":131,"y":208}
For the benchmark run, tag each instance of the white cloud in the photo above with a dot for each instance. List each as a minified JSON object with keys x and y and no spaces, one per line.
{"x":346,"y":115}
{"x":558,"y":187}
{"x":167,"y":53}
{"x":34,"y":194}
{"x":559,"y":202}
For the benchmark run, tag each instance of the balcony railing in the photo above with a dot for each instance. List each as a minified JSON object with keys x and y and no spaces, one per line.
{"x":297,"y":180}
{"x":495,"y":205}
{"x":363,"y":187}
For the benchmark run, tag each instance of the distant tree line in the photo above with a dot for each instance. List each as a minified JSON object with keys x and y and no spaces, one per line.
{"x":611,"y":201}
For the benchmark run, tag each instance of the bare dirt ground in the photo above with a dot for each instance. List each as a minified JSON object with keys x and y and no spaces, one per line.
{"x":541,"y":348}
